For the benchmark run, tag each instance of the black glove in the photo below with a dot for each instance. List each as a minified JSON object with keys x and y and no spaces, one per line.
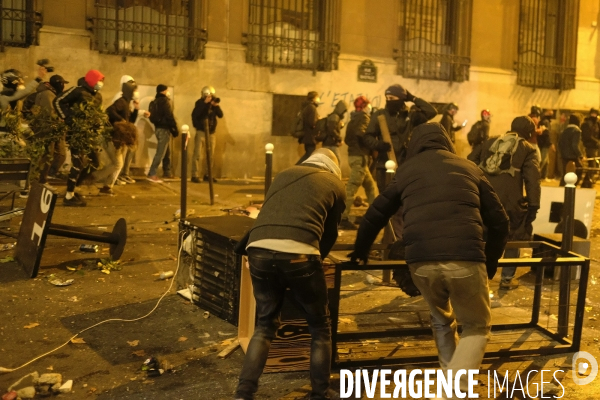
{"x":491,"y":267}
{"x":410,"y":97}
{"x":174,"y":131}
{"x":529,"y":218}
{"x":384,"y":147}
{"x":359,"y":255}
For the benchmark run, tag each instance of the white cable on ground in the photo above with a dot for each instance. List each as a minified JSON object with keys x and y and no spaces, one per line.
{"x":7,"y":370}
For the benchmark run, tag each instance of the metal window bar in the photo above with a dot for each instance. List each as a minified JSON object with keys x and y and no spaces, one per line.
{"x":20,"y":23}
{"x":434,"y":39}
{"x":299,"y":34}
{"x":149,"y":28}
{"x":547,"y":44}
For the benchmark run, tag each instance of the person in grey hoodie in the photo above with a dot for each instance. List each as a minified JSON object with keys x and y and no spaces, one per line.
{"x":332,"y":139}
{"x":13,"y":90}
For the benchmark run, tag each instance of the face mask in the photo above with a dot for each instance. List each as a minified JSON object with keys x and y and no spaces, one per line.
{"x":369,"y":108}
{"x":136,"y":95}
{"x":394,"y":106}
{"x":98,"y":86}
{"x":168,"y":94}
{"x":317,"y":101}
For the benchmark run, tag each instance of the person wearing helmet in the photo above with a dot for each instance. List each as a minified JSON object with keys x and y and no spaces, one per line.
{"x":590,"y":135}
{"x":479,"y":133}
{"x":13,"y":89}
{"x":523,"y":169}
{"x":206,"y":108}
{"x":448,"y":123}
{"x":400,"y":121}
{"x":87,"y":91}
{"x":536,"y":114}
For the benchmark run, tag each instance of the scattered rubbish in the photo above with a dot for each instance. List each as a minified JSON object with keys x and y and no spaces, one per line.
{"x":106,"y":265}
{"x":248,"y":195}
{"x":225,"y":333}
{"x":186,"y":293}
{"x":345,"y":320}
{"x":12,"y":395}
{"x":32,"y":325}
{"x":182,"y":339}
{"x":26,"y":393}
{"x":592,"y":318}
{"x":152,"y":367}
{"x":229,"y":350}
{"x":8,"y":246}
{"x":206,"y":314}
{"x":66,"y":387}
{"x":72,"y":268}
{"x":77,"y":341}
{"x":105,"y":271}
{"x":58,"y":282}
{"x":27,"y":380}
{"x":89,"y":248}
{"x":6,"y":259}
{"x":49,"y":379}
{"x":139,"y":353}
{"x":74,"y":299}
{"x":133,"y":343}
{"x":496,"y":304}
{"x":371,"y":279}
{"x":165,"y":275}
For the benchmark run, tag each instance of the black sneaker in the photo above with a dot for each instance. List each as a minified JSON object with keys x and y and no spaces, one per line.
{"x":346,"y":225}
{"x":195,"y":179}
{"x":509,"y":284}
{"x":75,"y":201}
{"x":205,"y":179}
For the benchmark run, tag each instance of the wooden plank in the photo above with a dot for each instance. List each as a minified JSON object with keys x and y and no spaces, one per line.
{"x":385,"y":134}
{"x":227,"y":351}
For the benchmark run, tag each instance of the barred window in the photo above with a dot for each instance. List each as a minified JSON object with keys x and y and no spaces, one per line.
{"x":547,"y":44}
{"x":434,"y":39}
{"x":150,"y":28}
{"x":20,"y":23}
{"x":297,"y":34}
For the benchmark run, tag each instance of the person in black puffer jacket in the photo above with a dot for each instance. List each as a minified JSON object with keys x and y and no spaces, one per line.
{"x":161,"y":115}
{"x":447,"y":201}
{"x":569,"y":146}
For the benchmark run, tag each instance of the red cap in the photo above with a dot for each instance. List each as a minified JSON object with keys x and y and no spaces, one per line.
{"x":93,"y":76}
{"x":360,"y":103}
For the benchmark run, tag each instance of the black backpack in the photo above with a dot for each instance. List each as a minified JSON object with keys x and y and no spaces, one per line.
{"x":474,"y":136}
{"x":152,"y":110}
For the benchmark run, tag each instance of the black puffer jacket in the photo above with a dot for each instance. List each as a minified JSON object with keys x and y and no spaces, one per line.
{"x":446,"y":201}
{"x":510,"y":189}
{"x":202,"y":111}
{"x":590,"y":133}
{"x":161,"y":114}
{"x":569,"y":143}
{"x":76,"y":95}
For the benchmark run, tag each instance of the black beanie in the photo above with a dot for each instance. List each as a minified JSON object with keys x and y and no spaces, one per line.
{"x":523,"y":125}
{"x":396,"y":90}
{"x":312,"y":95}
{"x":574,"y":120}
{"x":161,"y":88}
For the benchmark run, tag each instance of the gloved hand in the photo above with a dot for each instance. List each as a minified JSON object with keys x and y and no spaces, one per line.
{"x":529,"y":218}
{"x":384,"y":147}
{"x":359,"y":255}
{"x":491,"y":267}
{"x":410,"y":97}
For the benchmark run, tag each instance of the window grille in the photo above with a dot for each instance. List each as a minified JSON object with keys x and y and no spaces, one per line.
{"x":20,"y":23}
{"x":149,"y":28}
{"x":298,"y":34}
{"x":434,"y":39}
{"x":547,"y":44}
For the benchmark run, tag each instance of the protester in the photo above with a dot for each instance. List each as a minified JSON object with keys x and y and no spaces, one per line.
{"x":310,"y":117}
{"x":511,"y":162}
{"x":206,"y":108}
{"x":535,"y":115}
{"x":590,"y":134}
{"x":87,"y":91}
{"x":360,"y":148}
{"x":295,"y":230}
{"x":448,"y":123}
{"x":569,"y":146}
{"x":545,"y":142}
{"x":124,"y":137}
{"x":161,"y":115}
{"x":480,"y":131}
{"x":400,"y":122}
{"x":332,"y":138}
{"x":446,"y":202}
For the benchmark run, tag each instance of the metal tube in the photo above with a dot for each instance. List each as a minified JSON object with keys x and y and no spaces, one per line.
{"x":566,"y":245}
{"x":184,"y":141}
{"x":268,"y":167}
{"x":67,"y":231}
{"x":208,"y":148}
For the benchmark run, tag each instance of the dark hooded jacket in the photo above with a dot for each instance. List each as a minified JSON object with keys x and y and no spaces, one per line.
{"x":202,"y":111}
{"x":447,"y":122}
{"x":161,"y":114}
{"x":334,"y":124}
{"x":76,"y":95}
{"x":400,"y":125}
{"x":510,"y":188}
{"x":446,"y":202}
{"x":358,"y":143}
{"x":120,"y":110}
{"x":590,"y":133}
{"x":569,"y":143}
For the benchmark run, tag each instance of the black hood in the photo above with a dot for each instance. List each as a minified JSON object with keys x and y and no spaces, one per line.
{"x":429,"y":136}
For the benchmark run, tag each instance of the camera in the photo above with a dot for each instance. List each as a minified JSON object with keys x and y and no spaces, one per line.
{"x":44,"y":62}
{"x":216,"y":100}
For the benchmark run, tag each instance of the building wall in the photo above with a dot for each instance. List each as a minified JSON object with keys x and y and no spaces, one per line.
{"x":367,"y":32}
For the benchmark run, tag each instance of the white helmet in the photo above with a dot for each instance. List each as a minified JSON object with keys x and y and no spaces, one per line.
{"x":208,"y":91}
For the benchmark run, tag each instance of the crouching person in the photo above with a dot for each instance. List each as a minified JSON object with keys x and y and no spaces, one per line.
{"x":446,"y":203}
{"x":295,"y":230}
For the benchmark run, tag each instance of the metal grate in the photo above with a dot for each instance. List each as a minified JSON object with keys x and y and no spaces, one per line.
{"x":547,"y":44}
{"x":298,"y":34}
{"x":435,"y":39}
{"x":20,"y":23}
{"x":149,"y":28}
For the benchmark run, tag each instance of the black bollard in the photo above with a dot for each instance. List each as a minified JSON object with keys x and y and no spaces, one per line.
{"x":564,"y":292}
{"x":209,"y":162}
{"x":268,"y":166}
{"x":185,"y":134}
{"x":388,"y":232}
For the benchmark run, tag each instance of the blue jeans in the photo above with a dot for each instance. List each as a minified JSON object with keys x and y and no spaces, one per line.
{"x":163,"y":136}
{"x":271,"y":274}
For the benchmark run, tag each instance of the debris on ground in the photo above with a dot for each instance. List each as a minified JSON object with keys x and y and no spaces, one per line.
{"x":229,"y":350}
{"x":152,"y":367}
{"x":106,"y":265}
{"x":53,"y":279}
{"x":7,"y":246}
{"x":6,"y":259}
